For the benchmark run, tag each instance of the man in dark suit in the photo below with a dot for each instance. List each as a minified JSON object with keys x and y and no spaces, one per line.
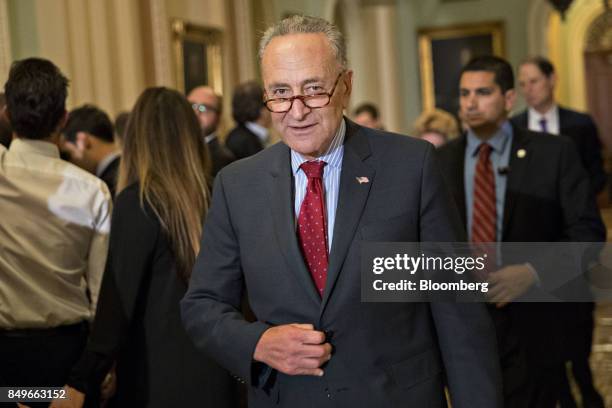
{"x":208,"y":107}
{"x":514,"y":185}
{"x":311,"y":202}
{"x":537,"y":80}
{"x":252,"y":121}
{"x":90,"y":141}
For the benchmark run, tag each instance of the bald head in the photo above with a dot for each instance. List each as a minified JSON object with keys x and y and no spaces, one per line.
{"x":207,"y":106}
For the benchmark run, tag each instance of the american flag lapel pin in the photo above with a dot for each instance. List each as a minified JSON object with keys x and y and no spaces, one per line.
{"x":362,"y":180}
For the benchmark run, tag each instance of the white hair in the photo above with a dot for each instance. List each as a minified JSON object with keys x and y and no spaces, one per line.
{"x":299,"y":24}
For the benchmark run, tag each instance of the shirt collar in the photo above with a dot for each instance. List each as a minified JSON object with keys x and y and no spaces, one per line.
{"x":498,"y":142}
{"x":29,"y":146}
{"x":210,"y":138}
{"x":105,"y":162}
{"x":333,"y":156}
{"x":260,"y":131}
{"x":550,"y":115}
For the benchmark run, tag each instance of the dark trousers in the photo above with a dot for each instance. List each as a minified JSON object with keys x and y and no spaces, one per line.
{"x":513,"y":361}
{"x":580,"y":326}
{"x":40,"y":358}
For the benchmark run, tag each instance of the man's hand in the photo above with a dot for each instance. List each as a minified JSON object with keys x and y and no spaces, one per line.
{"x":294,"y":349}
{"x":109,"y":385}
{"x":74,"y":399}
{"x":509,"y":283}
{"x":76,"y":152}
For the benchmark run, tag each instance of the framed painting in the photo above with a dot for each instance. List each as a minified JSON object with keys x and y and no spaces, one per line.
{"x":443,"y":51}
{"x":197,"y":53}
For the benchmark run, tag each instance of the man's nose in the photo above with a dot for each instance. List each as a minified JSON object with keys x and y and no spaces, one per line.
{"x":299,"y":109}
{"x":472,"y":101}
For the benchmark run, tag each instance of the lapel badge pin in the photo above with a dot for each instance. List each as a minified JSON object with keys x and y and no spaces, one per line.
{"x":520,"y":153}
{"x":362,"y":180}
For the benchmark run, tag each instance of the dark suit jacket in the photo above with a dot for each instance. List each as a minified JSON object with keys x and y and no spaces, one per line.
{"x":582,"y":130}
{"x":547,"y":199}
{"x":110,"y":174}
{"x":219,"y":155}
{"x":242,"y":142}
{"x":385,"y":354}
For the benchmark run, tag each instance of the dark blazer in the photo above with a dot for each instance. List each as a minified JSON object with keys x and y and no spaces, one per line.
{"x":385,"y":354}
{"x":582,"y":130}
{"x":110,"y":174}
{"x":219,"y":155}
{"x":242,"y":142}
{"x":138,"y":323}
{"x":547,"y":199}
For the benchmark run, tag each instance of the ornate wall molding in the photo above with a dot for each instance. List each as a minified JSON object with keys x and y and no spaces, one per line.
{"x":162,"y":53}
{"x":5,"y":43}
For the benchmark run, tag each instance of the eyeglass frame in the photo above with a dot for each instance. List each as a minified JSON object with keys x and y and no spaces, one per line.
{"x":197,"y":110}
{"x":303,"y":98}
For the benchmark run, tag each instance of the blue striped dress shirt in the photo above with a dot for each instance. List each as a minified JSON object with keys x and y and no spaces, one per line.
{"x":331,"y":179}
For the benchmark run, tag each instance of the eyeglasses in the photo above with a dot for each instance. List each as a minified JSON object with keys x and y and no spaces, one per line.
{"x":201,"y":108}
{"x":282,"y":105}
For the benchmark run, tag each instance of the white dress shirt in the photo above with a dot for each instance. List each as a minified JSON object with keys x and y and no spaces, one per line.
{"x":551,"y":117}
{"x":53,"y":237}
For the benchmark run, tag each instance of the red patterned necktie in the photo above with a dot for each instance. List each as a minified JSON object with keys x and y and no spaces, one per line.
{"x":312,"y":229}
{"x":484,"y":213}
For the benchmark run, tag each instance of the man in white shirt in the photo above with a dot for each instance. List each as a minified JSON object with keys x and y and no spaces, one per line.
{"x":537,"y":80}
{"x":53,"y":235}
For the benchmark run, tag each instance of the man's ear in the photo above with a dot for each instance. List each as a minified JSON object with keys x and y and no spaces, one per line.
{"x":4,"y":113}
{"x":510,"y":98}
{"x":553,"y":80}
{"x":62,"y":122}
{"x":348,"y":83}
{"x":82,"y":141}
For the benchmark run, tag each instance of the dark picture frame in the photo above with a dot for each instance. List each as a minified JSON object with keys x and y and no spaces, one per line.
{"x":198,"y":59}
{"x":442,"y":53}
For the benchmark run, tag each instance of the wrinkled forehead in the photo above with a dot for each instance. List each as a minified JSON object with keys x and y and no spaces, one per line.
{"x":203,"y":95}
{"x":294,"y":58}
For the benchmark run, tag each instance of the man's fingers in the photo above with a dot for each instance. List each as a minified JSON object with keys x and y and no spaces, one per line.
{"x":312,"y":337}
{"x":307,"y":334}
{"x":322,"y":351}
{"x":494,"y":277}
{"x":494,"y":291}
{"x":317,"y":372}
{"x":304,"y":326}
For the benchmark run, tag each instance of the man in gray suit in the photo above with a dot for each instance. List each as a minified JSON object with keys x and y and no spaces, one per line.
{"x":288,"y":224}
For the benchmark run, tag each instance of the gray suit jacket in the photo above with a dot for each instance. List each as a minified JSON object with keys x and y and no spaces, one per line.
{"x":385,"y":354}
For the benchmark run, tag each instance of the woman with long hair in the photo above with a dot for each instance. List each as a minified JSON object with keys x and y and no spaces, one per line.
{"x":155,"y":235}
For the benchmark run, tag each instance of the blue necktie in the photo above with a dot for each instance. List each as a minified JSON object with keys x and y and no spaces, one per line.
{"x":543,"y":125}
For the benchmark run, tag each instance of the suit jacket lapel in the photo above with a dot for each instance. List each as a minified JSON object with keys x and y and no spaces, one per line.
{"x":522,"y":120}
{"x":518,"y":166}
{"x":281,"y":195}
{"x":351,"y":201}
{"x":563,"y":125}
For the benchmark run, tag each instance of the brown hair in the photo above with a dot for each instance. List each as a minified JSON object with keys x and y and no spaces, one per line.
{"x":164,"y":152}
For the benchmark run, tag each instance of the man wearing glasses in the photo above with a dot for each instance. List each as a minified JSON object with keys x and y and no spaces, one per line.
{"x":288,"y":224}
{"x":207,"y":106}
